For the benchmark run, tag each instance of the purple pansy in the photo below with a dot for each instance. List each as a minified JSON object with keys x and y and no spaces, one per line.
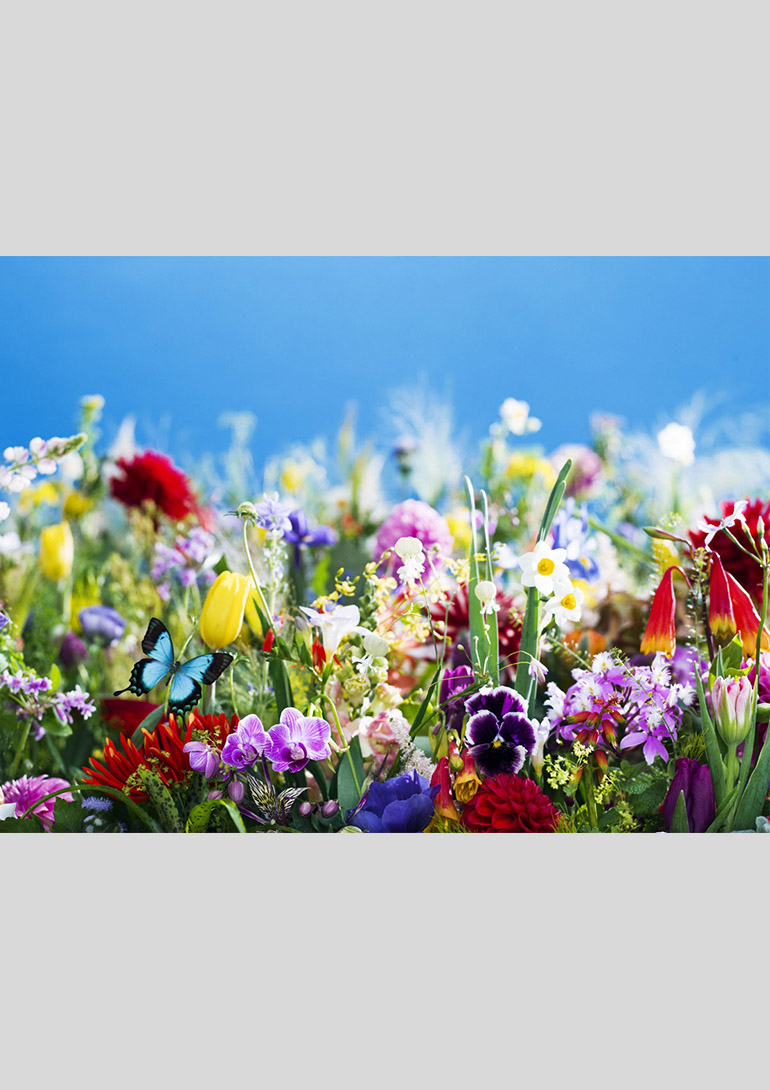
{"x":499,"y":734}
{"x":297,"y":739}
{"x":246,"y":744}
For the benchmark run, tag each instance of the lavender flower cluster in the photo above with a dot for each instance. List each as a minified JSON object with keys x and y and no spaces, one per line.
{"x":34,"y":696}
{"x":648,"y":700}
{"x":190,"y":560}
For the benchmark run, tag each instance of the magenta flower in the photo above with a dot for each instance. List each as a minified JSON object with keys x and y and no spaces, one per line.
{"x":245,"y":744}
{"x":297,"y":739}
{"x":29,"y":789}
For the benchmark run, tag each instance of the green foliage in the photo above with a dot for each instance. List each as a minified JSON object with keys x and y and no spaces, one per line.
{"x":348,"y":794}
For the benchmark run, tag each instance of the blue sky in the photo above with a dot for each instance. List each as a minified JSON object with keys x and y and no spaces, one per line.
{"x":177,"y":341}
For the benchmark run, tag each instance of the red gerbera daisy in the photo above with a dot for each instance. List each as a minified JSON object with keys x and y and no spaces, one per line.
{"x":747,"y":571}
{"x":153,"y":479}
{"x":162,"y":751}
{"x":510,"y":804}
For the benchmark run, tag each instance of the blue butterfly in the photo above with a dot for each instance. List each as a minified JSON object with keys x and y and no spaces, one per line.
{"x":186,"y":677}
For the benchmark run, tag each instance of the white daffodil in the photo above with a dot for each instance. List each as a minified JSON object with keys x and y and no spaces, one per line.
{"x":335,"y":624}
{"x":486,"y":592}
{"x":677,"y":443}
{"x":515,"y":416}
{"x":543,"y":568}
{"x":565,"y":604}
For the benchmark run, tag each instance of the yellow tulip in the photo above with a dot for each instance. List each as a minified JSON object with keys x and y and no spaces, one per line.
{"x":76,"y":505}
{"x":222,"y":613}
{"x":57,"y":551}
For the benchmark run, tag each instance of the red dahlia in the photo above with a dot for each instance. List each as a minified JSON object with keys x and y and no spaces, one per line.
{"x":742,"y":567}
{"x":510,"y":804}
{"x":151,"y":478}
{"x":162,"y":751}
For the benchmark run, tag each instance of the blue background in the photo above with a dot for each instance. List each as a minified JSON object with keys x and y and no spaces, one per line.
{"x":177,"y":341}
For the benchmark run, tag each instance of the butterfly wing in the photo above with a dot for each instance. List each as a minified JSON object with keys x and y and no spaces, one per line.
{"x":144,"y":676}
{"x":157,"y":643}
{"x":189,"y":676}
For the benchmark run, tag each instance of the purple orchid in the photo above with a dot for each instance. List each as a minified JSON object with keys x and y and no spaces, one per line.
{"x":297,"y":739}
{"x":202,"y":758}
{"x":453,"y":683}
{"x":246,"y":744}
{"x":499,"y":734}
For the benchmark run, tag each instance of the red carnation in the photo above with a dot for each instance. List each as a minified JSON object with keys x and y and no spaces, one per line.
{"x":151,"y":478}
{"x":747,"y":571}
{"x":510,"y":804}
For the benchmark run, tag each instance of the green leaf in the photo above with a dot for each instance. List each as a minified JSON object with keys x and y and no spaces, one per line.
{"x":198,"y":821}
{"x":679,"y":820}
{"x":68,"y":816}
{"x":162,"y":800}
{"x":32,"y":824}
{"x":423,"y":708}
{"x":149,"y":723}
{"x":279,"y":676}
{"x":713,"y":752}
{"x":348,"y":795}
{"x":753,"y":799}
{"x":55,"y":675}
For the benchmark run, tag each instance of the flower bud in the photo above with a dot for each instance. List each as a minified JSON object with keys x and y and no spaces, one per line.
{"x":305,"y":809}
{"x":408,"y":548}
{"x":330,"y":808}
{"x":236,"y":791}
{"x":222,"y":613}
{"x":57,"y":551}
{"x":733,"y":702}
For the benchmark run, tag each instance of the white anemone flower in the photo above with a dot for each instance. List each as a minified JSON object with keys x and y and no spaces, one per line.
{"x":543,"y":568}
{"x":515,"y":416}
{"x":677,"y":443}
{"x":565,"y":604}
{"x":335,"y":624}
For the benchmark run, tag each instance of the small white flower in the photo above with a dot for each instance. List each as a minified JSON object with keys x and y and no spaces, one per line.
{"x":486,"y":592}
{"x":602,"y":662}
{"x":726,"y":523}
{"x":408,"y":548}
{"x":565,"y":604}
{"x":537,"y":670}
{"x":676,"y":442}
{"x":335,"y":624}
{"x":543,"y":568}
{"x":659,"y":670}
{"x":411,"y":570}
{"x":4,"y":510}
{"x":515,"y":416}
{"x":542,"y":733}
{"x":504,"y":557}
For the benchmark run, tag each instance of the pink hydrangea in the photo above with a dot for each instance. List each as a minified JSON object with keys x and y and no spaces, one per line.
{"x":28,"y":789}
{"x":415,"y":518}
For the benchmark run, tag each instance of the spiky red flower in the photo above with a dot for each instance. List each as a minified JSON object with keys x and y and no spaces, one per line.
{"x":746,"y":570}
{"x":153,"y":479}
{"x":162,"y":750}
{"x":510,"y":804}
{"x":455,"y":615}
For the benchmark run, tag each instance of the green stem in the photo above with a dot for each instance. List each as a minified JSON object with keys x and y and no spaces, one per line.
{"x":19,"y":750}
{"x":588,"y":784}
{"x":345,"y":745}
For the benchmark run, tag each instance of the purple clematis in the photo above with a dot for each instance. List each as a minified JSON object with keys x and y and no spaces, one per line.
{"x":301,"y":534}
{"x":297,"y":739}
{"x":499,"y":734}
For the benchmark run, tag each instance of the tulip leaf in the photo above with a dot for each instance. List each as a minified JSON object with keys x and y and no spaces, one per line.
{"x":679,"y":822}
{"x":753,"y":798}
{"x":713,"y":752}
{"x":423,"y":708}
{"x":348,"y":794}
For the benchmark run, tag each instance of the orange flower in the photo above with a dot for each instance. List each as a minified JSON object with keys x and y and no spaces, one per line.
{"x":467,"y":780}
{"x":746,"y":618}
{"x":443,"y":802}
{"x":660,"y":633}
{"x":721,"y":615}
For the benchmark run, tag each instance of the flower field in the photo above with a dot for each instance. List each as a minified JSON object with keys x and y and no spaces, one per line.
{"x":413,"y":638}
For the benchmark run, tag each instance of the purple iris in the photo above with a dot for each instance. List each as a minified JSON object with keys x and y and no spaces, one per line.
{"x":297,"y":739}
{"x":246,"y":744}
{"x":202,"y":758}
{"x":499,"y":735}
{"x":454,"y":682}
{"x":301,"y":534}
{"x":403,"y":804}
{"x":102,"y":623}
{"x":694,"y":779}
{"x":72,"y":651}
